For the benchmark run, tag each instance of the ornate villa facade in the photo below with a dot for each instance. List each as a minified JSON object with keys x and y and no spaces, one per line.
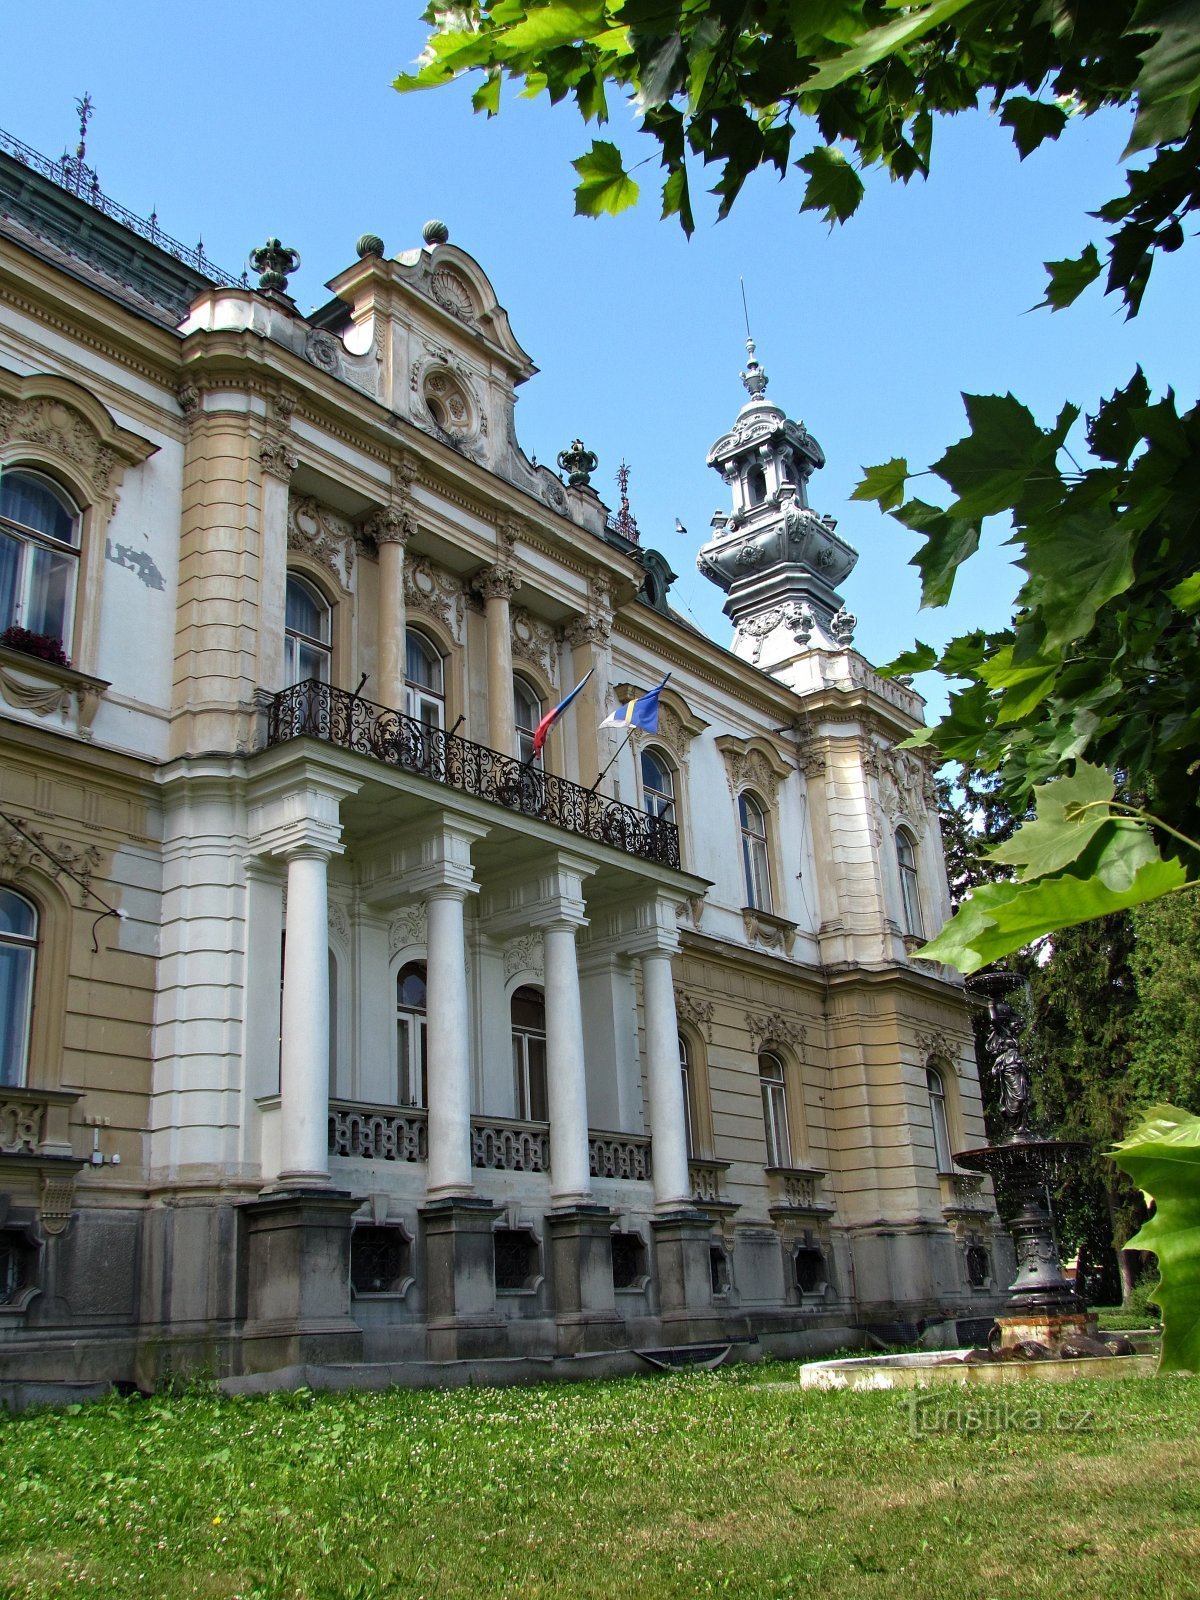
{"x":337,"y":1036}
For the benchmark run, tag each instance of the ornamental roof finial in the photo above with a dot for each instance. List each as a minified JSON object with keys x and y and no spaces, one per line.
{"x":754,"y":377}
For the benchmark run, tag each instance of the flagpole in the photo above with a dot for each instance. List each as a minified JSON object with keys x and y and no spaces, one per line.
{"x":621,"y":747}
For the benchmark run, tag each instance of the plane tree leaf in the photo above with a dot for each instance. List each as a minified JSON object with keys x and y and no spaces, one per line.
{"x":1162,"y":1156}
{"x":604,"y":184}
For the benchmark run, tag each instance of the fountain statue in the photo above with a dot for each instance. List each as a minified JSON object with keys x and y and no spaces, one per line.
{"x":1043,"y":1307}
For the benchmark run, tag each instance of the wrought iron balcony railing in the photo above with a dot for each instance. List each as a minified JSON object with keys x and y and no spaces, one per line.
{"x":352,"y":723}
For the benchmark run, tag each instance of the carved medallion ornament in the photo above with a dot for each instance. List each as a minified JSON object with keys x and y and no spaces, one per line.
{"x":533,"y":640}
{"x":324,"y":351}
{"x":318,"y":532}
{"x":63,"y":431}
{"x":772,"y":1028}
{"x":439,"y":595}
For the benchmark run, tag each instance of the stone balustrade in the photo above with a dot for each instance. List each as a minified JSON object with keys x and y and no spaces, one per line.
{"x":619,"y":1155}
{"x":36,"y":1122}
{"x":797,"y":1189}
{"x":510,"y":1146}
{"x":499,"y":1144}
{"x":706,"y":1179}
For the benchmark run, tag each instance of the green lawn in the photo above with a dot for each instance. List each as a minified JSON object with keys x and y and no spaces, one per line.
{"x":693,"y":1485}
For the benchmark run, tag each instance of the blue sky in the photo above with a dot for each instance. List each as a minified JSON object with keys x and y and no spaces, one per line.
{"x":237,"y":122}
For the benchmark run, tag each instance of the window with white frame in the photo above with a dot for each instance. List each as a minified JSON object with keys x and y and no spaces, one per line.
{"x":307,"y":649}
{"x":940,"y":1119}
{"x":425,"y":683}
{"x":39,"y":555}
{"x":658,"y":786}
{"x":527,"y":710}
{"x":755,"y":854}
{"x":529,"y":1053}
{"x":772,"y":1082}
{"x":18,"y":954}
{"x":412,"y":1072}
{"x":906,"y":857}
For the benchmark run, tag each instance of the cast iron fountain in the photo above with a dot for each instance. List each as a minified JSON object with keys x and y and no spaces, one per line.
{"x":1044,"y":1312}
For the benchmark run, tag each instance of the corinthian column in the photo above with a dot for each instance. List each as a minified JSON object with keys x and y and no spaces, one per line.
{"x":391,"y":529}
{"x":497,"y":585}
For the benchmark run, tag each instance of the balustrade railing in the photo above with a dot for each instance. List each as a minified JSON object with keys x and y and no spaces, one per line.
{"x":510,"y":1146}
{"x":619,"y":1155}
{"x":319,"y":711}
{"x":706,"y":1181}
{"x":35,"y":1122}
{"x":798,"y":1188}
{"x":500,"y":1144}
{"x":375,"y":1133}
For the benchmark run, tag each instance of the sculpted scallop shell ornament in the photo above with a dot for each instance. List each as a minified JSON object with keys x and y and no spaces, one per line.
{"x":452,"y":294}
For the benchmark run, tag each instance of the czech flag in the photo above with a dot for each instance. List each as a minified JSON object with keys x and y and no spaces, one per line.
{"x":640,"y":713}
{"x":551,"y":717}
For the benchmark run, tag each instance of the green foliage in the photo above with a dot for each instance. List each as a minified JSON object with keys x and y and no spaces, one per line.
{"x":731,"y":87}
{"x":1079,"y":859}
{"x":1165,"y":1054}
{"x":604,"y":185}
{"x":1142,"y":1307}
{"x":1162,"y":1156}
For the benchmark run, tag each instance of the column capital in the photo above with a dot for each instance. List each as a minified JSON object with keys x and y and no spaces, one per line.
{"x":500,"y":582}
{"x":429,"y":857}
{"x":593,"y":630}
{"x":278,"y":459}
{"x":392,"y":524}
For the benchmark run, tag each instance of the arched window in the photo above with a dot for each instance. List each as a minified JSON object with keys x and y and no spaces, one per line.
{"x":755,"y":858}
{"x":412,"y":1070}
{"x":18,"y":949}
{"x":424,"y":689}
{"x":941,"y":1122}
{"x":529,"y":1053}
{"x":39,"y":555}
{"x":528,"y":713}
{"x":307,"y":632}
{"x":756,"y":486}
{"x":906,"y":856}
{"x":772,"y":1082}
{"x":658,"y":786}
{"x":689,"y":1119}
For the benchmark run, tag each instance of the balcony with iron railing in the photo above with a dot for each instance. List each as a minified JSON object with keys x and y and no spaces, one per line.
{"x":319,"y":711}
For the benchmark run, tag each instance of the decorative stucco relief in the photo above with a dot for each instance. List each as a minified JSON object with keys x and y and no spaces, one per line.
{"x":696,"y":1011}
{"x":408,"y":928}
{"x":524,"y":955}
{"x":534,"y":641}
{"x":902,"y":782}
{"x":771,"y":1027}
{"x":24,"y":846}
{"x":322,"y":534}
{"x":439,"y":595}
{"x":62,"y":430}
{"x":769,"y":933}
{"x":753,"y":764}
